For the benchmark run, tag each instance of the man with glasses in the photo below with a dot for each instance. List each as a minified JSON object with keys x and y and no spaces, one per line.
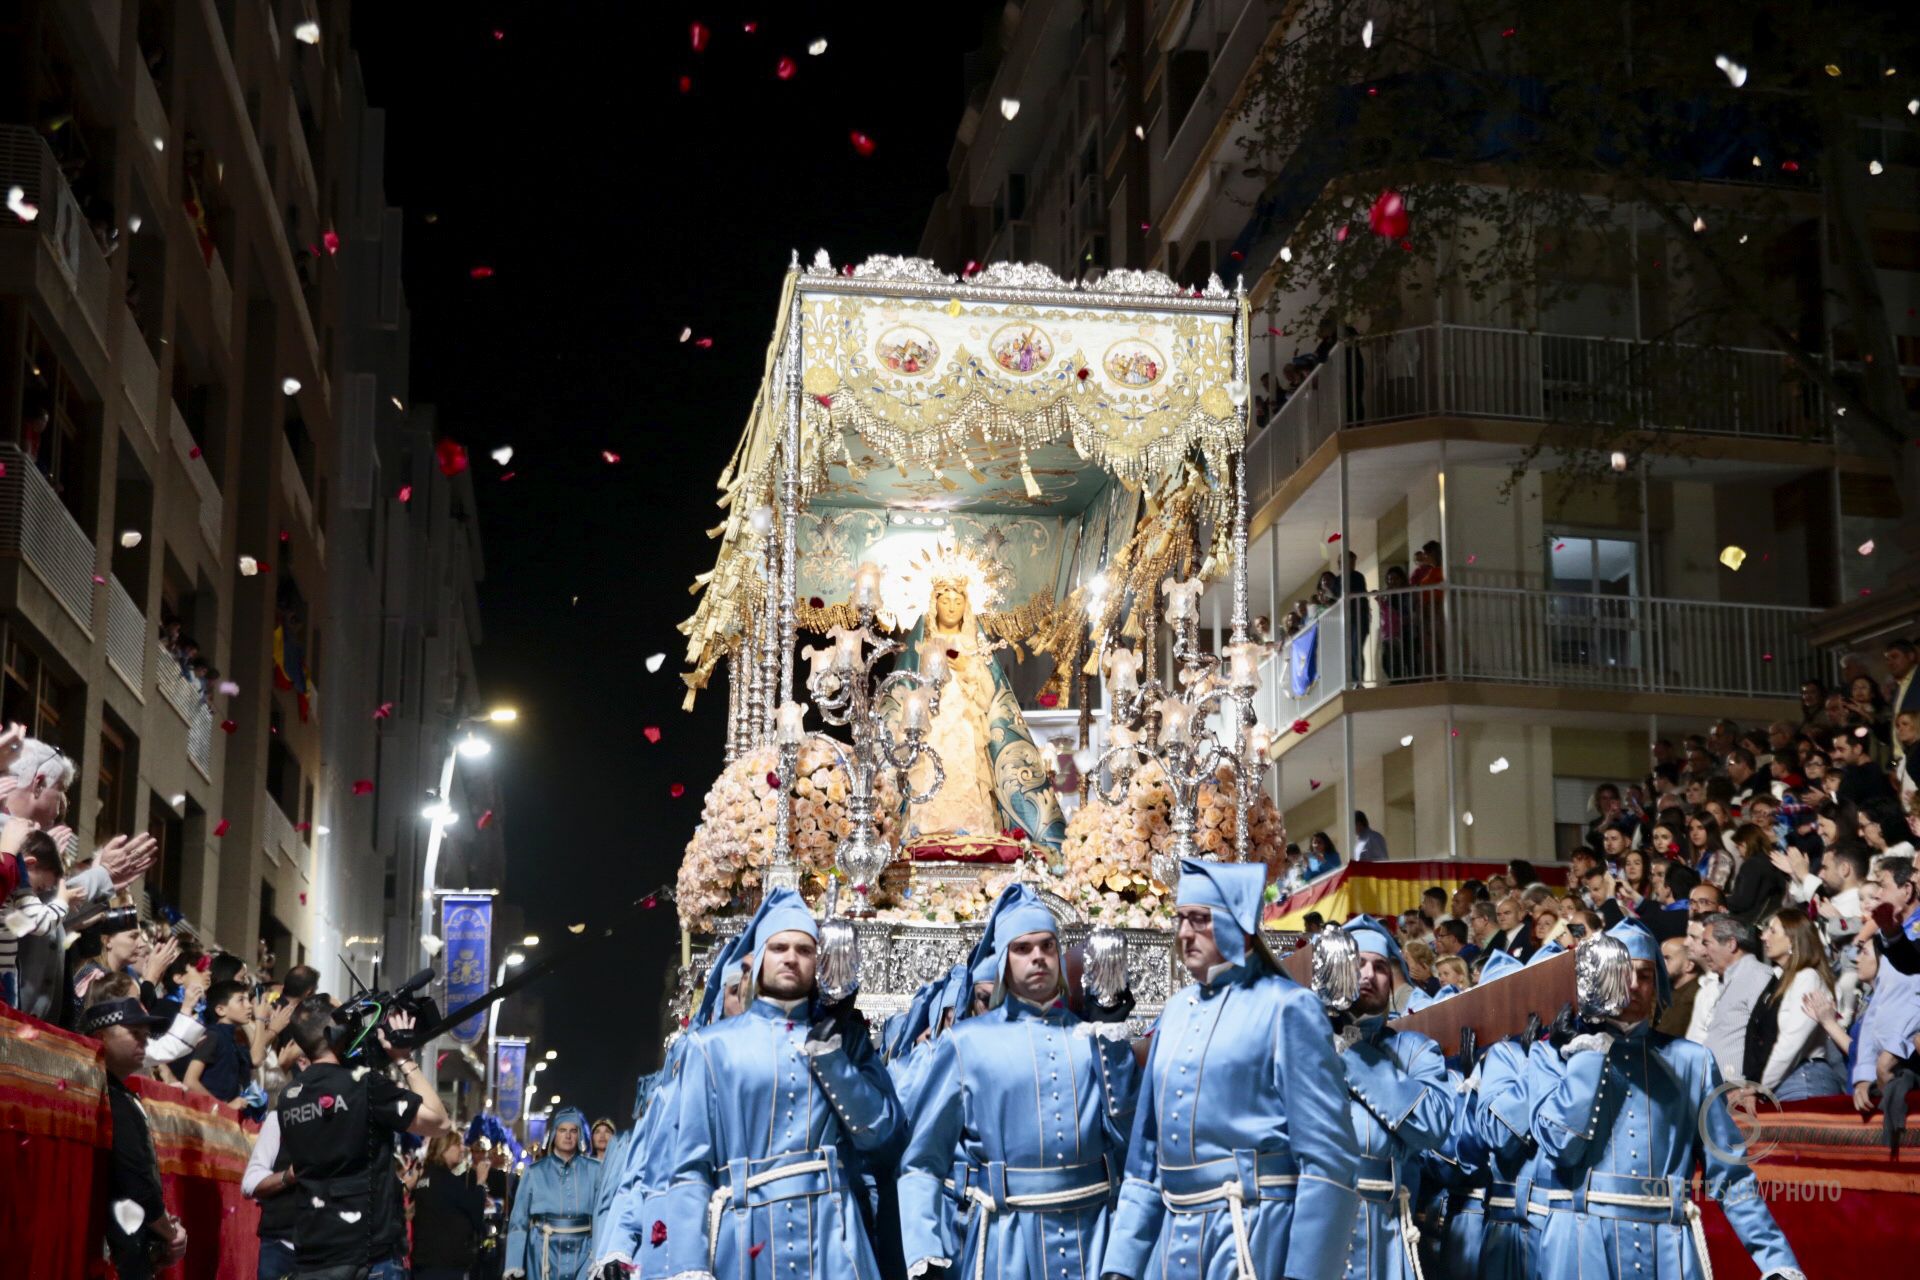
{"x":1250,"y":1173}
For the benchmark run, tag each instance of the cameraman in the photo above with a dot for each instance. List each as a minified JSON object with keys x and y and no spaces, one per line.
{"x":337,"y":1125}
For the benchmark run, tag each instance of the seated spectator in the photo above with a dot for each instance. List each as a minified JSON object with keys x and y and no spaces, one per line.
{"x":1883,"y":825}
{"x":1453,"y":971}
{"x":1758,"y":886}
{"x":1420,"y":961}
{"x":1433,"y":905}
{"x":1707,"y":852}
{"x":1483,"y":928}
{"x":1516,"y":934}
{"x":1785,"y":1053}
{"x":1861,"y":780}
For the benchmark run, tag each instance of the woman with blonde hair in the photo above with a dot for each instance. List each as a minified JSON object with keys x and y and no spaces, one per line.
{"x":449,"y":1212}
{"x":1785,"y":1052}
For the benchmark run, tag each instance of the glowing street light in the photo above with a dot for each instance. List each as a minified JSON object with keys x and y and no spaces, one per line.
{"x":552,"y":1054}
{"x":504,"y":715}
{"x":473,"y":746}
{"x":531,"y":940}
{"x":515,"y":957}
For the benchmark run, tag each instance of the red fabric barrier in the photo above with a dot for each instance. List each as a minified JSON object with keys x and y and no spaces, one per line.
{"x":56,"y":1137}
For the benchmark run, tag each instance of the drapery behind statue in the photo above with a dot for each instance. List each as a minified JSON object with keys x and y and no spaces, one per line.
{"x":995,"y":777}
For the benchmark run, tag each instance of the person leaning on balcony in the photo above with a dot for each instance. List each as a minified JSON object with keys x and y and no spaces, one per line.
{"x":1368,"y":845}
{"x":1427,"y":610}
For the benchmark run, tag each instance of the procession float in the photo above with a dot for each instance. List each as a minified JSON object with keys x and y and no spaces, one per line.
{"x":956,"y":613}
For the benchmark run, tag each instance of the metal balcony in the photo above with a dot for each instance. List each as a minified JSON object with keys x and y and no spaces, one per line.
{"x":126,"y":638}
{"x":37,"y":527}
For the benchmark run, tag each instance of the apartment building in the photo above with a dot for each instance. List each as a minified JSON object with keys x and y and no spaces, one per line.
{"x":1585,"y":603}
{"x":205,"y":424}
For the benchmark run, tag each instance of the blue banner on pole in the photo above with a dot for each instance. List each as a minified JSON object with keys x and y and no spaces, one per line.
{"x":466,"y":925}
{"x":509,"y":1078}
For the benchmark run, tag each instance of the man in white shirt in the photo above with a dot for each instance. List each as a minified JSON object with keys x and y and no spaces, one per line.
{"x":1368,"y":845}
{"x":1727,"y":945}
{"x":1709,"y":983}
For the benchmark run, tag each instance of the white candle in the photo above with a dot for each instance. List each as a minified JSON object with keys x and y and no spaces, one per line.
{"x":1261,"y":740}
{"x":913,"y":708}
{"x":846,"y":647}
{"x":1176,"y":720}
{"x":790,"y":723}
{"x":866,"y":584}
{"x":1181,"y":597}
{"x":1124,"y":666}
{"x":934,"y":667}
{"x":1244,"y":668}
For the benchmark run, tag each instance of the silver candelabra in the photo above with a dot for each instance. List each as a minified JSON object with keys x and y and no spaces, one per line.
{"x":1152,"y":722}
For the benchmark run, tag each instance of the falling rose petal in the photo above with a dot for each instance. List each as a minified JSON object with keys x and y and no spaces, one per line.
{"x":228,"y":726}
{"x":1766,"y":657}
{"x":818,"y":47}
{"x":698,"y":35}
{"x":1049,"y":700}
{"x":785,"y":68}
{"x":577,"y":928}
{"x":610,"y":456}
{"x":498,"y":34}
{"x":1866,"y":548}
{"x":128,"y":1215}
{"x":705,"y":344}
{"x":431,"y":945}
{"x":331,"y":241}
{"x":503,"y":455}
{"x":1313,"y":784}
{"x":481,"y":272}
{"x":363,"y":786}
{"x":677,"y":790}
{"x":382,"y":711}
{"x":1301,"y":726}
{"x":1340,"y":236}
{"x":99,"y":581}
{"x":649,"y":902}
{"x":1735,"y":73}
{"x":861,"y":142}
{"x":655,"y":661}
{"x":749,"y":26}
{"x":773,"y":782}
{"x":484,"y":821}
{"x":1733,"y":557}
{"x":404,"y":494}
{"x":220,"y":827}
{"x":1366,"y":35}
{"x":1009,"y":107}
{"x":753,"y":1252}
{"x":651,"y":733}
{"x":686,"y":333}
{"x":248,"y":566}
{"x":686,"y":84}
{"x":230,"y":688}
{"x":452,"y":457}
{"x":1472,"y":557}
{"x":1508,"y":33}
{"x":1388,"y":217}
{"x":1559,"y":546}
{"x":506,"y":476}
{"x":1333,"y":537}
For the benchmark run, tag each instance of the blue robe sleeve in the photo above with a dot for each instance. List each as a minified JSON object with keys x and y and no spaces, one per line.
{"x":1321,"y":1135}
{"x":1732,"y":1183}
{"x":1119,"y":1086}
{"x":1579,"y":1109}
{"x":858,"y":1088}
{"x":1505,"y":1118}
{"x":688,"y":1163}
{"x":515,"y":1261}
{"x":1413,"y":1103}
{"x":1136,"y":1220}
{"x":936,"y":1126}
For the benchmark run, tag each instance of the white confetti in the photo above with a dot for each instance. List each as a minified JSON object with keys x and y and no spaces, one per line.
{"x":1009,"y":107}
{"x":1140,"y":132}
{"x":130,"y":538}
{"x":359,"y":1073}
{"x":291,"y":1091}
{"x":1699,"y":224}
{"x":291,"y":386}
{"x":19,"y":923}
{"x":248,"y":566}
{"x":401,"y":1106}
{"x":1366,"y":35}
{"x":1875,"y":168}
{"x":1913,"y":106}
{"x":229,"y":687}
{"x":685,"y":334}
{"x":431,"y":945}
{"x":1619,"y":460}
{"x":1286,"y":253}
{"x":1866,"y":548}
{"x":318,"y":1203}
{"x":1735,"y":73}
{"x":1407,"y":741}
{"x":1467,"y":818}
{"x":1499,"y":766}
{"x":655,"y":662}
{"x":18,"y":205}
{"x":349,"y":1215}
{"x":503,"y":455}
{"x":128,"y":1215}
{"x":818,"y":47}
{"x":307,"y":32}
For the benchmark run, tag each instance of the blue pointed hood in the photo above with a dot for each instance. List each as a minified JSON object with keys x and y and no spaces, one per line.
{"x":781,"y":911}
{"x":1017,"y":911}
{"x":1642,"y":945}
{"x":1498,"y":965}
{"x":1234,"y":892}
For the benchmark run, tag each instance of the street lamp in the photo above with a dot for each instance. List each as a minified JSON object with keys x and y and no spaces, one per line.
{"x":552,"y":1054}
{"x":493,"y":1020}
{"x":531,"y":940}
{"x":440,"y":815}
{"x":473,"y":747}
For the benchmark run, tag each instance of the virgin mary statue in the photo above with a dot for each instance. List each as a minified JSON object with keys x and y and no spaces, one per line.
{"x":995,"y":779}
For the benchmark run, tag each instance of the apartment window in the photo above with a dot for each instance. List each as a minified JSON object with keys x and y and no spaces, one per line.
{"x":50,"y":414}
{"x":167,"y":880}
{"x":1593,"y":614}
{"x":1186,"y":76}
{"x":112,"y":786}
{"x":34,"y":696}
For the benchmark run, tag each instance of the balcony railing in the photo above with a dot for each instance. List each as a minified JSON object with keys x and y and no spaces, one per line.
{"x":281,"y":837}
{"x":37,"y":527}
{"x":185,"y":698}
{"x":1477,"y":372}
{"x":126,"y":636}
{"x":140,"y":373}
{"x":201,"y":478}
{"x":1551,"y":639}
{"x":25,"y":162}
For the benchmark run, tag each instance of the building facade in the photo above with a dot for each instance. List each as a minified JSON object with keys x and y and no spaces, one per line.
{"x":206,"y":427}
{"x":1570,"y":612}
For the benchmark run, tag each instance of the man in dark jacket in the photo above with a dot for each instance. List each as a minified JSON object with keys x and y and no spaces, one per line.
{"x":142,"y":1237}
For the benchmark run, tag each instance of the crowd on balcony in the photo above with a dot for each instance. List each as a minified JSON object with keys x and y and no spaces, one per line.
{"x":194,"y":667}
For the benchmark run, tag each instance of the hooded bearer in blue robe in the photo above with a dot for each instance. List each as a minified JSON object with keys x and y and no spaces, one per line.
{"x":551,"y":1230}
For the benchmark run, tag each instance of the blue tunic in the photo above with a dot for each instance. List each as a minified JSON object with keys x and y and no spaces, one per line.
{"x":1241,"y":1135}
{"x":1401,"y":1107}
{"x":1037,"y":1104}
{"x":1622,"y":1129}
{"x":1500,"y":1116}
{"x":545,"y":1239}
{"x":758,"y":1184}
{"x":626,"y":1235}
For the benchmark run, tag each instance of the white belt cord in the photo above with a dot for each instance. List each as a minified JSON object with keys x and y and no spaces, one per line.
{"x":1699,"y":1230}
{"x":1039,"y":1200}
{"x":1410,"y":1235}
{"x":1233,"y":1194}
{"x":547,"y":1234}
{"x":717,"y":1203}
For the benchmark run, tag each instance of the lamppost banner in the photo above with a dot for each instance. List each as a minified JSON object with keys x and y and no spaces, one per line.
{"x":509,"y":1079}
{"x":466,"y":924}
{"x":536,"y":1128}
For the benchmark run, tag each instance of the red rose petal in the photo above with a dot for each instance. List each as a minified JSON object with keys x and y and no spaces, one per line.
{"x":815,"y":602}
{"x":677,"y":790}
{"x":228,"y":726}
{"x":826,"y":402}
{"x":1083,"y":373}
{"x":785,"y":68}
{"x":1049,"y":699}
{"x":1313,"y":784}
{"x":363,"y":787}
{"x":1340,"y":236}
{"x":194,"y":452}
{"x":220,"y":827}
{"x":705,"y":344}
{"x":1301,"y":726}
{"x":861,"y":142}
{"x":773,"y":782}
{"x":749,"y":26}
{"x":1388,"y":217}
{"x":484,"y":821}
{"x":1333,"y":537}
{"x":610,"y":456}
{"x":405,"y":494}
{"x":452,"y":457}
{"x":686,"y":84}
{"x":697,"y":35}
{"x":482,"y":272}
{"x":971,"y":267}
{"x":382,"y":711}
{"x":651,"y":733}
{"x":754,"y":1252}
{"x":649,"y":902}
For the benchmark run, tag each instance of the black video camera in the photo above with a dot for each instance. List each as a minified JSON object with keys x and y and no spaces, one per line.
{"x":357,"y":1021}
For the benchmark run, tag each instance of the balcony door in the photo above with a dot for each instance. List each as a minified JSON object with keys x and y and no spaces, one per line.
{"x":1593,"y":611}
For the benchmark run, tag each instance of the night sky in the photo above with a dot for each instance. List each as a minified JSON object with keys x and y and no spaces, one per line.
{"x":614,"y":211}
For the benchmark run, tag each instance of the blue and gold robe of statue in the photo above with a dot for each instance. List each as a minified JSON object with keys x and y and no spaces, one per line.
{"x":1622,"y":1129}
{"x":757,"y":1182}
{"x":1401,"y":1107}
{"x":1037,"y":1105}
{"x":550,"y":1233}
{"x":1241,"y":1134}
